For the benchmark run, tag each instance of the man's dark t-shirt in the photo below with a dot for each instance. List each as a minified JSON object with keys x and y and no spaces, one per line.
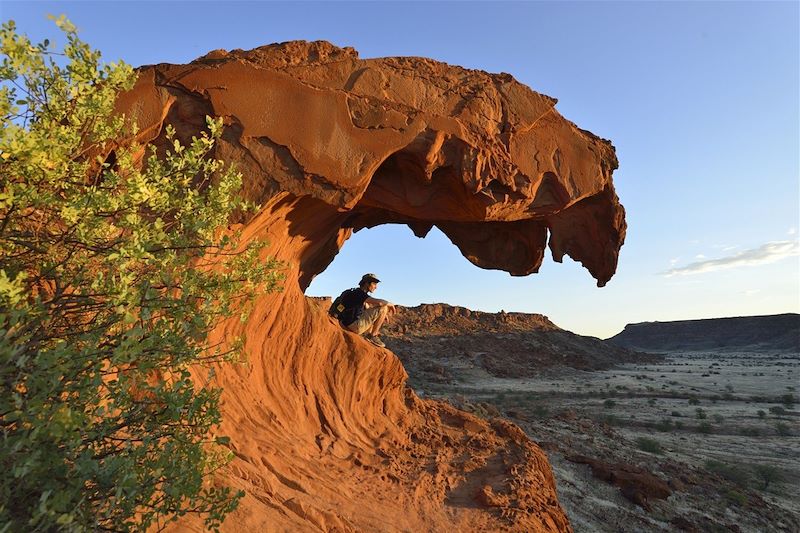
{"x":353,"y":301}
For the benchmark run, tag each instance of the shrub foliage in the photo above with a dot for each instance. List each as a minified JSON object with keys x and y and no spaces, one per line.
{"x":114,"y":267}
{"x":647,"y":444}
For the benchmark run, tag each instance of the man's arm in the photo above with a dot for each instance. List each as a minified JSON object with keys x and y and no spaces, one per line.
{"x":377,"y":302}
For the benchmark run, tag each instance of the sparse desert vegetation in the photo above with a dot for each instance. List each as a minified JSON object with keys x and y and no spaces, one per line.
{"x":720,"y":430}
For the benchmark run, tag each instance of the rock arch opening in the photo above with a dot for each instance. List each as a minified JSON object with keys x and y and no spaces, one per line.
{"x":413,"y":270}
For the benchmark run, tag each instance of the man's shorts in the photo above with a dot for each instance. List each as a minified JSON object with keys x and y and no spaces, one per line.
{"x":367,"y":319}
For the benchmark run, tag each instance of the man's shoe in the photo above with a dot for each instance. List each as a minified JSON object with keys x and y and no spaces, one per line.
{"x":374,"y":339}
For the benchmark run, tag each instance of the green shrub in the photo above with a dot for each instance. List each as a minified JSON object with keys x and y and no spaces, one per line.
{"x":649,"y":445}
{"x":700,"y":413}
{"x":112,"y":274}
{"x":665,"y":424}
{"x":540,"y":411}
{"x":609,"y":404}
{"x":704,"y":427}
{"x":611,"y":420}
{"x":735,"y":497}
{"x":733,"y":472}
{"x":694,"y":401}
{"x":777,"y":410}
{"x":761,"y":413}
{"x":769,"y":474}
{"x":788,"y":400}
{"x":718,"y":418}
{"x":783,"y":429}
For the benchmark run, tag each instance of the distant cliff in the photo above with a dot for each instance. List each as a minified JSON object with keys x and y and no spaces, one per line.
{"x":772,"y":333}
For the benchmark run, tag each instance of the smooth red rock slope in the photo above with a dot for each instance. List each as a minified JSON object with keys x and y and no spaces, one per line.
{"x":325,"y":433}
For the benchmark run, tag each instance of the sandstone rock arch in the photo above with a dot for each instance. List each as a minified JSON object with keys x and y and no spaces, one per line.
{"x":325,"y":433}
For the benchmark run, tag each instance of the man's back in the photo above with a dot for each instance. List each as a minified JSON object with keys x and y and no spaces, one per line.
{"x":353,"y":302}
{"x":349,"y":308}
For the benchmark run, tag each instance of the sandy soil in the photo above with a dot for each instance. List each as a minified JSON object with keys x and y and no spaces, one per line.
{"x":712,"y":417}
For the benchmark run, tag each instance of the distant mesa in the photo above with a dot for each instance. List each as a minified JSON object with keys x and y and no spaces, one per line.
{"x":506,"y":345}
{"x":326,"y":434}
{"x":772,"y":333}
{"x":444,"y":319}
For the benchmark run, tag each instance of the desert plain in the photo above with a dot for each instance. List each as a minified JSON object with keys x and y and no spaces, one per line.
{"x":672,"y":441}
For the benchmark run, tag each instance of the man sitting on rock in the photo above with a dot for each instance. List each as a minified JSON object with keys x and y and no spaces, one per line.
{"x":361,"y":313}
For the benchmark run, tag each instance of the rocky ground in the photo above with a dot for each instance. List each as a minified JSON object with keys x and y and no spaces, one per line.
{"x":690,"y":441}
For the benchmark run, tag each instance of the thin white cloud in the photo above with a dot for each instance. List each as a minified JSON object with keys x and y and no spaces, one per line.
{"x":699,"y":256}
{"x":792,"y":231}
{"x":766,"y":253}
{"x":750,"y":292}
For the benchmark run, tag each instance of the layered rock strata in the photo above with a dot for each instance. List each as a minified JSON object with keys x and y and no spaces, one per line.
{"x":326,"y":435}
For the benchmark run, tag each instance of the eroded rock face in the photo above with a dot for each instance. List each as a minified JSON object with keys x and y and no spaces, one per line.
{"x":325,"y":433}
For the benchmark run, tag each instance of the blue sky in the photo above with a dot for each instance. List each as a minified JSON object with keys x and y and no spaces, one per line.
{"x":699,"y":98}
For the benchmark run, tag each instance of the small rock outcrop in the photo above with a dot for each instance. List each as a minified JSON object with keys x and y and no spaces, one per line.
{"x":506,"y":345}
{"x":443,"y":319}
{"x":636,"y":484}
{"x":325,"y":433}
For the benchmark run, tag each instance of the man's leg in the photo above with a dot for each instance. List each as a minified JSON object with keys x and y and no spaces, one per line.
{"x":365,"y":322}
{"x":383,"y":312}
{"x":369,"y":324}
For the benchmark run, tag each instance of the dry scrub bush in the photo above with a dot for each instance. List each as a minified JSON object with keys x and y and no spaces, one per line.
{"x":112,"y":272}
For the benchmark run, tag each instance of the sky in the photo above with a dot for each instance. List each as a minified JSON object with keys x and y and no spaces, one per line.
{"x":700,"y":100}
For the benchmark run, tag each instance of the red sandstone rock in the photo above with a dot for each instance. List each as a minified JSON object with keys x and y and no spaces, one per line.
{"x":326,"y":436}
{"x":408,"y":140}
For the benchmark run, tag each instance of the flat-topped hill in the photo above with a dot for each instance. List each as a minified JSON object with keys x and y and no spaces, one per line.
{"x":771,"y":333}
{"x":504,"y":344}
{"x":444,"y":319}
